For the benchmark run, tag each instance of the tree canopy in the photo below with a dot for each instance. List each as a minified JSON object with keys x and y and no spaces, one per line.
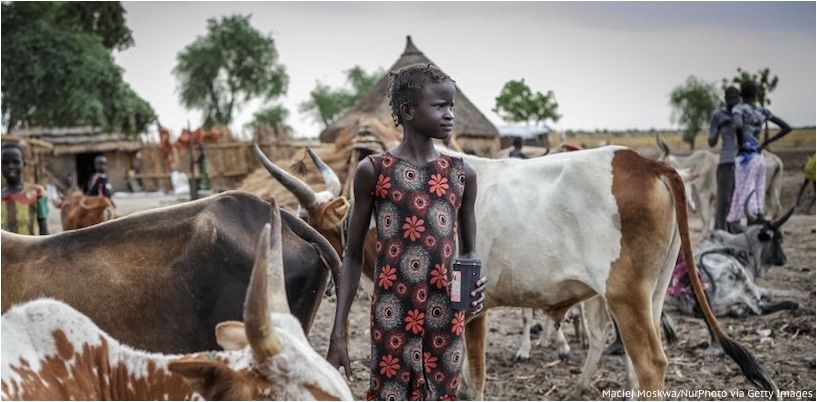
{"x":326,"y":103}
{"x":230,"y":65}
{"x":58,"y":69}
{"x":271,"y":116}
{"x":517,"y":103}
{"x":693,"y":103}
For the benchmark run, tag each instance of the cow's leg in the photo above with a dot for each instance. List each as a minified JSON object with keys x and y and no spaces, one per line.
{"x":580,"y":326}
{"x":597,"y":321}
{"x":473,"y":385}
{"x":562,"y":347}
{"x":523,"y":353}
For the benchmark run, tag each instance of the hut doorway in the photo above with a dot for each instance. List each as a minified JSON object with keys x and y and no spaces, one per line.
{"x":85,"y":169}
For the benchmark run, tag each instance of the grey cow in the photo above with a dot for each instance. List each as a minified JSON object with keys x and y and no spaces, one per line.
{"x":729,"y":265}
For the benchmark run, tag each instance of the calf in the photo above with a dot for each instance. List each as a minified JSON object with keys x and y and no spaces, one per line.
{"x":52,"y":351}
{"x":80,"y":211}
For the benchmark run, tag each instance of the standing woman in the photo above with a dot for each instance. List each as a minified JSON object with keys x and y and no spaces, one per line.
{"x":750,"y":168}
{"x":422,"y":200}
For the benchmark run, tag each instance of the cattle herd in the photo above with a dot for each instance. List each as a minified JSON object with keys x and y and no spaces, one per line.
{"x":135,"y":308}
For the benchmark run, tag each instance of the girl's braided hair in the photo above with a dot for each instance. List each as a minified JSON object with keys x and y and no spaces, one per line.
{"x":406,"y":86}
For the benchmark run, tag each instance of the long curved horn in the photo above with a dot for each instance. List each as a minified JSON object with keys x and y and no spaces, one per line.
{"x":781,"y":220}
{"x":296,"y":186}
{"x":749,"y":215}
{"x":663,"y":145}
{"x":261,"y":335}
{"x":329,"y":177}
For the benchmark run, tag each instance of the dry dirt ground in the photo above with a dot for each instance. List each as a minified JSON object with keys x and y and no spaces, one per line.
{"x":789,"y":357}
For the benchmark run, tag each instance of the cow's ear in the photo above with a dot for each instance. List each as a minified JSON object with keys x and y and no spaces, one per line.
{"x":209,"y":378}
{"x":334,"y":212}
{"x":230,"y":335}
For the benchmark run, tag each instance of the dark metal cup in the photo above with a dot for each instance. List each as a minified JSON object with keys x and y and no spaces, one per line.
{"x":464,"y":277}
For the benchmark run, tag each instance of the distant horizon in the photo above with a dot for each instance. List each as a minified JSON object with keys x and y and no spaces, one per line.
{"x":610,"y":65}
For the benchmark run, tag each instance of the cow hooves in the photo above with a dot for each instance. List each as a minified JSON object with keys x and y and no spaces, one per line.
{"x":521,"y":357}
{"x":565,"y":357}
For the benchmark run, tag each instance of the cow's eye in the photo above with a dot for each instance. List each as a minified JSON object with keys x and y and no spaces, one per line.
{"x":764,"y":236}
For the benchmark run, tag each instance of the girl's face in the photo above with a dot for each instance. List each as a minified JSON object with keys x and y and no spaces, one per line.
{"x":434,"y":114}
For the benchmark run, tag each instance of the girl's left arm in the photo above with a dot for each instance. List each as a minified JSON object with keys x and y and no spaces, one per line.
{"x":468,"y":234}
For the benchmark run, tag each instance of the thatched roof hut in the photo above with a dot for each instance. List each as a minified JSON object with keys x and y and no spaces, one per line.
{"x":474,"y":132}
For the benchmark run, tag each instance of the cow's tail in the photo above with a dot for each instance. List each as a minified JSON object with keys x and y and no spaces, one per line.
{"x":753,"y":371}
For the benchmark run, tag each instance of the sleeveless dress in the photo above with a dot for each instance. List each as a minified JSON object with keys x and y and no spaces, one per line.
{"x":417,"y":341}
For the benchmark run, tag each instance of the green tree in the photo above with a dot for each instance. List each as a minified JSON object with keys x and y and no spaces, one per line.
{"x":519,"y":104}
{"x":105,"y":19}
{"x":693,"y":103}
{"x":325,"y":103}
{"x":232,"y":64}
{"x":59,"y":72}
{"x":765,"y":83}
{"x":271,"y":116}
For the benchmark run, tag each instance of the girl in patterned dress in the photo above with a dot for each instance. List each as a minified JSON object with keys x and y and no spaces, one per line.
{"x":422,"y":201}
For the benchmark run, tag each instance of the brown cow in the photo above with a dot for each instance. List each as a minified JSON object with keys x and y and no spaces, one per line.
{"x":52,"y":351}
{"x":162,"y":279}
{"x":80,"y":211}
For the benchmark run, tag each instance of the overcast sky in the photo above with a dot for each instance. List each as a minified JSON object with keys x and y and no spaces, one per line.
{"x":611,"y":65}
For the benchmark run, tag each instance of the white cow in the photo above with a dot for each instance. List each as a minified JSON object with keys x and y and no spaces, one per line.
{"x":52,"y":351}
{"x":703,"y":170}
{"x":558,"y":230}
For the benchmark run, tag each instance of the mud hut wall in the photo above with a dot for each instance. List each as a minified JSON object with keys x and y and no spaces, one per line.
{"x":228,"y":164}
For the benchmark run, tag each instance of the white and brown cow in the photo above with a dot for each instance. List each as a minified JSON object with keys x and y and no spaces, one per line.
{"x":558,"y":230}
{"x":52,"y":351}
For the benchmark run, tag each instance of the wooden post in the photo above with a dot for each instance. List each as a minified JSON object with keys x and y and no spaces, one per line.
{"x":194,"y":189}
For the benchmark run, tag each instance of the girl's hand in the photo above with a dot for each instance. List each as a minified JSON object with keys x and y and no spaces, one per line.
{"x":479,"y":293}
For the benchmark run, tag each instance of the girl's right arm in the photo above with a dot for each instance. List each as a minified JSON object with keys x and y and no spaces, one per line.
{"x":364,"y":183}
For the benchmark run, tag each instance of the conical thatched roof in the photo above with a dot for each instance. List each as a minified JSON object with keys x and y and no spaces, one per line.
{"x":469,"y":120}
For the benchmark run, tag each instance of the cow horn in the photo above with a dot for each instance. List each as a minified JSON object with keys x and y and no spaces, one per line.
{"x":663,"y":145}
{"x":781,"y":220}
{"x":329,"y":177}
{"x":268,"y":268}
{"x":301,"y":191}
{"x":749,"y":215}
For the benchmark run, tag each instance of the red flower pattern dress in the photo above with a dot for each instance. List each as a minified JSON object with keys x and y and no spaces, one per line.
{"x":417,"y":342}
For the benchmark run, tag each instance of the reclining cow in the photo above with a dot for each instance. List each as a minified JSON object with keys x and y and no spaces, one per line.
{"x":703,"y":166}
{"x":160,"y":280}
{"x":729,"y":265}
{"x":52,"y":351}
{"x":618,"y":221}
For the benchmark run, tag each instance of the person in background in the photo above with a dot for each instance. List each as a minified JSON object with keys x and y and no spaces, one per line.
{"x":24,"y":206}
{"x":720,"y":126}
{"x":516,"y":152}
{"x":98,"y":183}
